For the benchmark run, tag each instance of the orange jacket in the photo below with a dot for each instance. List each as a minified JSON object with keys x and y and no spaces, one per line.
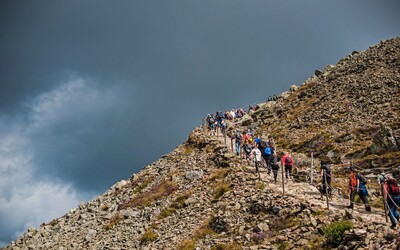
{"x":352,"y":181}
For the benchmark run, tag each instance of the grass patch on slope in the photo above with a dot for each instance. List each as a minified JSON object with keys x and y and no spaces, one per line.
{"x":158,"y":191}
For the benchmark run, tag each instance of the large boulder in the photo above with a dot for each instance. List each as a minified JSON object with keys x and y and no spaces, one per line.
{"x":384,"y":141}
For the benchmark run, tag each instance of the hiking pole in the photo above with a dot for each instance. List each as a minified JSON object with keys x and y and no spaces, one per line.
{"x":326,"y":190}
{"x":312,"y":167}
{"x":283,"y":180}
{"x":232,"y":144}
{"x":384,"y":202}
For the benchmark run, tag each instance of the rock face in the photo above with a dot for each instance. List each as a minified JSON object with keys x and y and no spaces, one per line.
{"x":202,"y":196}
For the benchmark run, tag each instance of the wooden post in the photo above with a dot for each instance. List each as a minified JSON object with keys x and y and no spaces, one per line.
{"x":283,"y":178}
{"x":384,"y":202}
{"x":225,"y":137}
{"x":312,"y":169}
{"x":326,"y":190}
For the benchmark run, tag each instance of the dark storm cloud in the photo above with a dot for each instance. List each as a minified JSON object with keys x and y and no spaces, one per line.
{"x":91,"y":91}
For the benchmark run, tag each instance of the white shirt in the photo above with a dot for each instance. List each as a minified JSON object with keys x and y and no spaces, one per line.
{"x":257,"y":154}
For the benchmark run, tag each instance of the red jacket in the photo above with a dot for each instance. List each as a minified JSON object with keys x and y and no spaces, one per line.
{"x":287,"y":163}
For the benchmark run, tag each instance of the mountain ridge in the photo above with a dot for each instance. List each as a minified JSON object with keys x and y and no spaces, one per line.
{"x":202,"y":196}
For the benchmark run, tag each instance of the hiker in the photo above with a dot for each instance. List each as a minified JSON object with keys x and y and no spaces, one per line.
{"x":233,"y":115}
{"x":357,"y":185}
{"x":256,"y":154}
{"x":224,"y":126}
{"x":219,"y":117}
{"x":268,"y":157}
{"x":326,"y":173}
{"x":391,"y":193}
{"x":247,"y":142}
{"x":271,"y":143}
{"x":211,"y":124}
{"x":275,"y":165}
{"x":238,"y":141}
{"x":288,"y":163}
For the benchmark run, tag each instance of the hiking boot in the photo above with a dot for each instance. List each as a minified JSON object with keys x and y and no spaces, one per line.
{"x":393,"y":226}
{"x":368,"y":208}
{"x":350,"y":206}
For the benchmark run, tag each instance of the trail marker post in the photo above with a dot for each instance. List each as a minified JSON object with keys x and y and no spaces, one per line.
{"x":326,"y":190}
{"x":312,"y":168}
{"x":283,"y":179}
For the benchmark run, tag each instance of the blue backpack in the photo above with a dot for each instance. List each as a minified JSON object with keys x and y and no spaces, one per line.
{"x":268,"y":151}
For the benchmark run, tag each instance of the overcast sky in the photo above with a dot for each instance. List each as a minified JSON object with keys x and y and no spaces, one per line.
{"x":92,"y":91}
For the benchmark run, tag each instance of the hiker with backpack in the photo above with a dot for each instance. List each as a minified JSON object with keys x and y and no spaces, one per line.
{"x":391,"y":192}
{"x":247,"y":145}
{"x":275,"y":160}
{"x":211,"y":124}
{"x":288,"y":162}
{"x":357,"y":185}
{"x":268,"y":157}
{"x":326,"y":174}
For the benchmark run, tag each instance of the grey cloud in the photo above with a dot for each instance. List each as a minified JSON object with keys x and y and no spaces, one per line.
{"x":91,"y":91}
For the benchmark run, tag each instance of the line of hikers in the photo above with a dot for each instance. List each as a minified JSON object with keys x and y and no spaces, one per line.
{"x":216,"y":120}
{"x":264,"y":153}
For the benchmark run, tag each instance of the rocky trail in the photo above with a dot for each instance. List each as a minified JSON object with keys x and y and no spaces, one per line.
{"x":367,"y":224}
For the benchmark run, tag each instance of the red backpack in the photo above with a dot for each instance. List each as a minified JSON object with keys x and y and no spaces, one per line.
{"x":393,"y":187}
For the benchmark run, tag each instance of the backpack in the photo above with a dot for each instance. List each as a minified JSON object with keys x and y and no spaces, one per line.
{"x":288,"y":160}
{"x":327,"y":168}
{"x":393,"y":187}
{"x":211,"y":120}
{"x":238,"y":136}
{"x":362,"y":179}
{"x":268,"y":151}
{"x":262,"y":144}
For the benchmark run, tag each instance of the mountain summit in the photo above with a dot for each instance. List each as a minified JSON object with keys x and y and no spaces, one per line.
{"x":203,"y":196}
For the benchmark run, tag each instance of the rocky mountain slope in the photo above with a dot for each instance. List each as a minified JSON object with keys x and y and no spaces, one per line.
{"x":202,"y":196}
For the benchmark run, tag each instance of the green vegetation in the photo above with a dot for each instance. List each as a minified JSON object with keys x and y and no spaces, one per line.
{"x":220,"y":189}
{"x":53,"y":222}
{"x":187,"y":245}
{"x":158,"y":191}
{"x":377,"y":202}
{"x":142,"y":186}
{"x":283,"y":223}
{"x":200,"y":233}
{"x":260,"y":185}
{"x":230,"y":246}
{"x":148,"y":236}
{"x":316,"y":243}
{"x":178,"y":203}
{"x":282,"y":245}
{"x":166,"y":212}
{"x":334,"y":231}
{"x":220,"y":174}
{"x":188,"y":149}
{"x":114,"y":221}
